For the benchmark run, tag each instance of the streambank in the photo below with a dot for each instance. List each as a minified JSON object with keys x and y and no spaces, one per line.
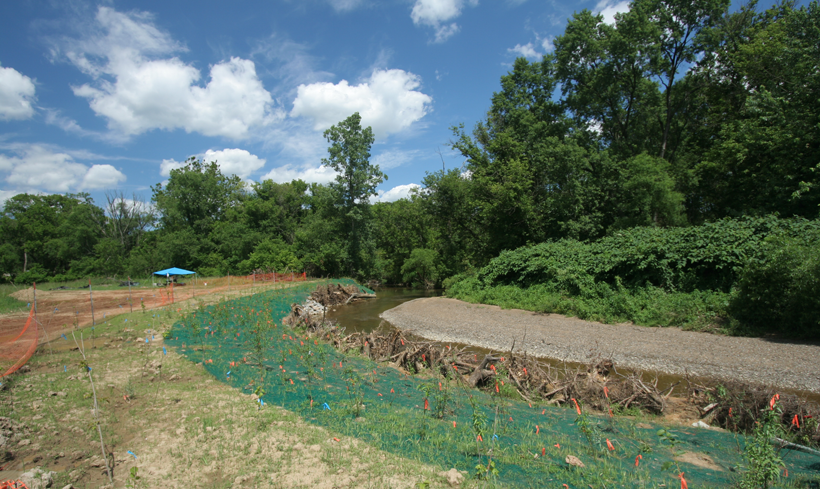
{"x":780,"y":364}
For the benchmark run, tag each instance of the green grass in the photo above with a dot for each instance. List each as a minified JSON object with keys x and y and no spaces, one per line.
{"x":9,"y":304}
{"x":646,"y":306}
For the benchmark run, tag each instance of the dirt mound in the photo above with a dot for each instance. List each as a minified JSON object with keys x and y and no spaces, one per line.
{"x":26,"y":295}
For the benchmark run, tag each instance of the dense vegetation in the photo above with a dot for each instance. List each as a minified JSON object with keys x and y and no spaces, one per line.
{"x":667,"y":162}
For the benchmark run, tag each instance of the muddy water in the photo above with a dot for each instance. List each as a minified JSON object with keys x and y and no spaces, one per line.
{"x":364,"y":316}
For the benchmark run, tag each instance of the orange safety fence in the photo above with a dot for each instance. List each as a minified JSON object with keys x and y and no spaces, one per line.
{"x":60,"y":311}
{"x":22,"y":346}
{"x":10,"y":484}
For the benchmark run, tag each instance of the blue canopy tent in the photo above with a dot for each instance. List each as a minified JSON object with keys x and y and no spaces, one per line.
{"x":172,"y":272}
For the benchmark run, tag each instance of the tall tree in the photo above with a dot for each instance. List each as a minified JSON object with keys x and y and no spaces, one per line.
{"x":356,"y":181}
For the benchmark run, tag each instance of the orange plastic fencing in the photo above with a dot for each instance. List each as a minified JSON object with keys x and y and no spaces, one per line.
{"x":10,"y":484}
{"x":22,"y":346}
{"x":61,"y":311}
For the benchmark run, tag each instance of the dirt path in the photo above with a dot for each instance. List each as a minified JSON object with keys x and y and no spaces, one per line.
{"x":787,"y":365}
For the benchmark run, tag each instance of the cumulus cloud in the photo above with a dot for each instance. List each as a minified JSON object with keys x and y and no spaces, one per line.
{"x":395,"y":193}
{"x":288,"y":173}
{"x":387,"y":101}
{"x":608,"y":8}
{"x":436,"y":14}
{"x":16,"y":95}
{"x":525,"y":50}
{"x":139,"y":87}
{"x":38,"y":168}
{"x":231,"y":161}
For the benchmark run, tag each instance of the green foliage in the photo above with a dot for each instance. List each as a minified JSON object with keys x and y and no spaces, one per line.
{"x":764,"y":460}
{"x":658,"y":277}
{"x":421,"y":268}
{"x":781,"y":292}
{"x":349,"y":155}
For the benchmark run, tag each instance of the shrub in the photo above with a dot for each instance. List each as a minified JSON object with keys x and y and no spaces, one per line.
{"x":781,"y":293}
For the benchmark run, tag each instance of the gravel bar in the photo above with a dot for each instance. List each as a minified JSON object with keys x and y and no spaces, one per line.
{"x":782,"y":364}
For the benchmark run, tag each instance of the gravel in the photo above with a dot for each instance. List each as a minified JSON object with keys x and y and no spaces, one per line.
{"x":782,"y":364}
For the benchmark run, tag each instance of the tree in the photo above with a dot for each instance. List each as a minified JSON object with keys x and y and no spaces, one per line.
{"x":421,"y":268}
{"x":349,"y":156}
{"x":196,"y":197}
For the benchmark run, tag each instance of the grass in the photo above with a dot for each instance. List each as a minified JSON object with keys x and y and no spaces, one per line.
{"x":645,"y":306}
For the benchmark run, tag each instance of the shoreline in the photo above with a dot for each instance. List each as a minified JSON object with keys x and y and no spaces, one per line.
{"x":781,"y":364}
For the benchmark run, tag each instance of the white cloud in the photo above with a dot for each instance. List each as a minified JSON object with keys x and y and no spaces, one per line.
{"x":102,"y":176}
{"x":231,"y":161}
{"x":395,"y":193}
{"x":288,"y":173}
{"x":387,"y":101}
{"x":138,"y":88}
{"x":167,"y":165}
{"x":608,"y":8}
{"x":436,"y":14}
{"x":235,"y":161}
{"x":39,"y":168}
{"x":16,"y":95}
{"x":547,"y":43}
{"x":526,"y":50}
{"x":394,"y":158}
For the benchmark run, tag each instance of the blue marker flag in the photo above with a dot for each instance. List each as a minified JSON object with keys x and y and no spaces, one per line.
{"x":146,"y":340}
{"x":495,"y":437}
{"x":325,"y":407}
{"x":65,"y":368}
{"x":228,"y":374}
{"x":164,"y":351}
{"x":132,"y":454}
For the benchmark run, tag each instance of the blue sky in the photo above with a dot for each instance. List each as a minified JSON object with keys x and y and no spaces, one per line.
{"x":98,"y":96}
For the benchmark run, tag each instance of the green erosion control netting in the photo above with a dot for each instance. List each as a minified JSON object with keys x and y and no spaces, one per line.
{"x":243,"y":343}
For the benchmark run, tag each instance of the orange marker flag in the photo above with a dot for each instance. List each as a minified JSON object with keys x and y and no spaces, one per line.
{"x":311,"y":403}
{"x":479,"y":438}
{"x":392,"y":391}
{"x":544,"y":451}
{"x":785,"y":472}
{"x":291,"y":381}
{"x":577,"y":407}
{"x":496,"y":387}
{"x":426,"y":404}
{"x":454,"y":424}
{"x":525,"y":371}
{"x":683,"y":484}
{"x":796,"y":422}
{"x":544,"y":411}
{"x":606,"y":392}
{"x":380,"y":394}
{"x":637,"y":458}
{"x":609,"y":445}
{"x":335,"y":439}
{"x":557,"y":445}
{"x":775,"y":398}
{"x":537,"y":429}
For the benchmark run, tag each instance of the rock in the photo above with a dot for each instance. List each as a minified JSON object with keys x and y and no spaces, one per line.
{"x":37,"y":478}
{"x":453,"y":476}
{"x":174,"y":377}
{"x":24,"y":442}
{"x":69,"y":486}
{"x":573,"y":460}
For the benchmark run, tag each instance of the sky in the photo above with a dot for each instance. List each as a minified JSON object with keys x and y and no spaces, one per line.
{"x":111,"y":96}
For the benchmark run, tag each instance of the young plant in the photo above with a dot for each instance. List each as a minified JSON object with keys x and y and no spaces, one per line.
{"x":765,"y":462}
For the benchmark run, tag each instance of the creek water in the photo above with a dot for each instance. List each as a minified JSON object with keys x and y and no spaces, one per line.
{"x":363,"y":316}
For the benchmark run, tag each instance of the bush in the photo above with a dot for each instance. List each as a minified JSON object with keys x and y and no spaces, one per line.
{"x":781,"y":293}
